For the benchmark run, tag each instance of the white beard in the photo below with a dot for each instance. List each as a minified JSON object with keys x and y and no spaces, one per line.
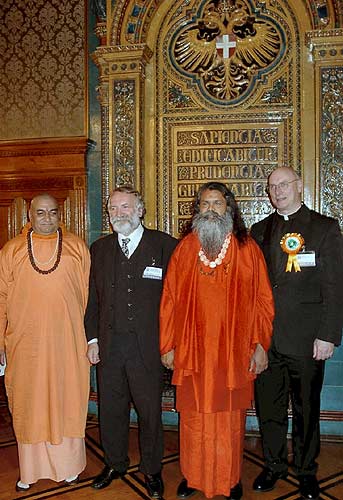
{"x":125,"y":225}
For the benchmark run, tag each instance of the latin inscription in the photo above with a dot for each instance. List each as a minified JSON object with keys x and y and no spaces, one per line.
{"x":242,"y":159}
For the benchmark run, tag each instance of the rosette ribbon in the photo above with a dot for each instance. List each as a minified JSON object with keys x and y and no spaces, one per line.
{"x":292,"y":243}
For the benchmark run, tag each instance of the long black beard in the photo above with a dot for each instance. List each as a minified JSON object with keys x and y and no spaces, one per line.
{"x":212,"y":230}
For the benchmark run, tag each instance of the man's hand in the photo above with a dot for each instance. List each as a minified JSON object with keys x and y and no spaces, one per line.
{"x":322,"y":350}
{"x":167,"y":359}
{"x":93,"y":353}
{"x":2,"y":357}
{"x":259,"y":360}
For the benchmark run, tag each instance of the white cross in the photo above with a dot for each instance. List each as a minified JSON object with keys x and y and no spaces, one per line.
{"x":225,"y":42}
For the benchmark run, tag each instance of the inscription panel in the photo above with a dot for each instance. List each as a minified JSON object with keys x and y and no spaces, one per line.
{"x":242,"y":158}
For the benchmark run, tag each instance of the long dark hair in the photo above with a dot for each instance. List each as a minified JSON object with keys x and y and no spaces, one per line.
{"x":239,"y":228}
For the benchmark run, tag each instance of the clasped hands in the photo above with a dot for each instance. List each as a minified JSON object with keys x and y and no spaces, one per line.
{"x":258,"y":361}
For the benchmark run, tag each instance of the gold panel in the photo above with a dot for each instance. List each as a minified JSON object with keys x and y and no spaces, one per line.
{"x":242,"y":158}
{"x":198,"y":90}
{"x":326,"y":49}
{"x":244,"y":102}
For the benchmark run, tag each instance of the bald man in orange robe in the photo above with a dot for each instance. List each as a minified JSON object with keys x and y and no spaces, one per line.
{"x":43,"y":294}
{"x":215,"y":326}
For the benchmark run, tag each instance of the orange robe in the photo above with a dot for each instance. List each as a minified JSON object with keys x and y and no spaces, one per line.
{"x":41,"y":328}
{"x":214,"y":318}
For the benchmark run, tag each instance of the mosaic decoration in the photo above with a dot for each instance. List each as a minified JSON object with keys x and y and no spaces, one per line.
{"x":124,"y":143}
{"x":279,"y":92}
{"x":192,"y":88}
{"x":177,"y":98}
{"x":322,"y":11}
{"x":237,"y":137}
{"x":142,"y":12}
{"x":226,"y":48}
{"x":331,"y":165}
{"x":42,"y":45}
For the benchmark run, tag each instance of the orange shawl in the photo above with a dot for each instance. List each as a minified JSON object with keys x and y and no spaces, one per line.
{"x":247,"y":318}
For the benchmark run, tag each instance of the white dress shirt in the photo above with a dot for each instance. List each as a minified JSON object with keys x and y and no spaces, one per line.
{"x":135,"y":238}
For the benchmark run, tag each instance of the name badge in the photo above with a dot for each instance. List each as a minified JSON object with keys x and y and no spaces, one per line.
{"x":152,"y":273}
{"x":306,"y":259}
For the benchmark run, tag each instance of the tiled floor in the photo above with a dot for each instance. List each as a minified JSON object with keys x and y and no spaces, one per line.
{"x":131,"y":486}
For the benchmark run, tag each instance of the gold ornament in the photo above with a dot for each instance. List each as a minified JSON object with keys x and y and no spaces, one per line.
{"x":292,"y":243}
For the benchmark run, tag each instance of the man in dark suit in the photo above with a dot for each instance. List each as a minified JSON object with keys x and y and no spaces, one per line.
{"x":303,"y":251}
{"x":127,"y":271}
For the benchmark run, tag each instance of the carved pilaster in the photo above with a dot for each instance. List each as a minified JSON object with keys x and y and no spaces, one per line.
{"x":101,"y":32}
{"x":326,"y":49}
{"x":121,"y":96}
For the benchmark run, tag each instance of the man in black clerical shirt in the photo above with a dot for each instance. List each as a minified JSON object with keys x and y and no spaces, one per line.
{"x":303,"y":251}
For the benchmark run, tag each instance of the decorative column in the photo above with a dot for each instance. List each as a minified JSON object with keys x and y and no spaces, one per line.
{"x":326,"y":48}
{"x":121,"y":96}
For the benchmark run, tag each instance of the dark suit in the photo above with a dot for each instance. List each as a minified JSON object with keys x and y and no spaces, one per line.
{"x":123,"y":313}
{"x":308,"y":305}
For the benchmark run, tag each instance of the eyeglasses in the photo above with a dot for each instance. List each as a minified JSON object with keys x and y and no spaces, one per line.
{"x":282,"y":186}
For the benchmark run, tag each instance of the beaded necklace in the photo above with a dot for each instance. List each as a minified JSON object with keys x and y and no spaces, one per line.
{"x":32,"y":258}
{"x":219,"y":259}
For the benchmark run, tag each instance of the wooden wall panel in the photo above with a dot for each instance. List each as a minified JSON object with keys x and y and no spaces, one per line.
{"x":55,"y":166}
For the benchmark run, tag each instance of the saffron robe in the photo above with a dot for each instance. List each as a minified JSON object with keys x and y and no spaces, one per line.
{"x":41,"y":328}
{"x":214,"y":318}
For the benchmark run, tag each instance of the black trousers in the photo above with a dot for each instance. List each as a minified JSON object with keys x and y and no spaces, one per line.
{"x":301,"y":378}
{"x":123,"y":378}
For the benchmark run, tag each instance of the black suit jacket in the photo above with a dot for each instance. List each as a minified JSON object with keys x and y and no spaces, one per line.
{"x":101,"y":309}
{"x":308,"y":304}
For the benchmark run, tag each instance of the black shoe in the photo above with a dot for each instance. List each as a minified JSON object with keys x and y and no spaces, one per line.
{"x":154,"y":485}
{"x":184,"y":491}
{"x":309,"y":487}
{"x":236,"y":492}
{"x":106,"y":477}
{"x":267,"y":479}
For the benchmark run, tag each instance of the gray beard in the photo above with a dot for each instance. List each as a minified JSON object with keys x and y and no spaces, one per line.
{"x":212,"y":230}
{"x":125,"y":225}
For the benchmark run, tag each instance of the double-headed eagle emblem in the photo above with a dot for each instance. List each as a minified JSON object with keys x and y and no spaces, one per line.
{"x":227,"y":47}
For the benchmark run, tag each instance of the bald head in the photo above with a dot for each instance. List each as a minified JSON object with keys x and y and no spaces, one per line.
{"x":44,"y":214}
{"x":285,"y":189}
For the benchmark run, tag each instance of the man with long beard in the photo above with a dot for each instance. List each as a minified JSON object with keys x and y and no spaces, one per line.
{"x":215,"y":328}
{"x":127,"y":269}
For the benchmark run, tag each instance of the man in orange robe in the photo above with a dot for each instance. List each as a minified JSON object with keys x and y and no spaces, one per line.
{"x":216,"y":323}
{"x":43,"y":294}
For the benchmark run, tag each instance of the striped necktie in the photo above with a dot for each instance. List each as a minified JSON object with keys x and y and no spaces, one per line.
{"x":124,"y":247}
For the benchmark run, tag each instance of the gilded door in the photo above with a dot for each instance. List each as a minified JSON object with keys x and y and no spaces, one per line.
{"x":198,"y":90}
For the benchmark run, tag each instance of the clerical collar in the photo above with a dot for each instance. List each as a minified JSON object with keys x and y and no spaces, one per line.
{"x":135,"y":238}
{"x":290,"y":215}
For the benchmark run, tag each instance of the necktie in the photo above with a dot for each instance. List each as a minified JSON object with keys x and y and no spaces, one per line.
{"x":124,"y":247}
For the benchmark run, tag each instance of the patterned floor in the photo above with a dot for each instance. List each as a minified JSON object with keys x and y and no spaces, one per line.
{"x":131,"y":487}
